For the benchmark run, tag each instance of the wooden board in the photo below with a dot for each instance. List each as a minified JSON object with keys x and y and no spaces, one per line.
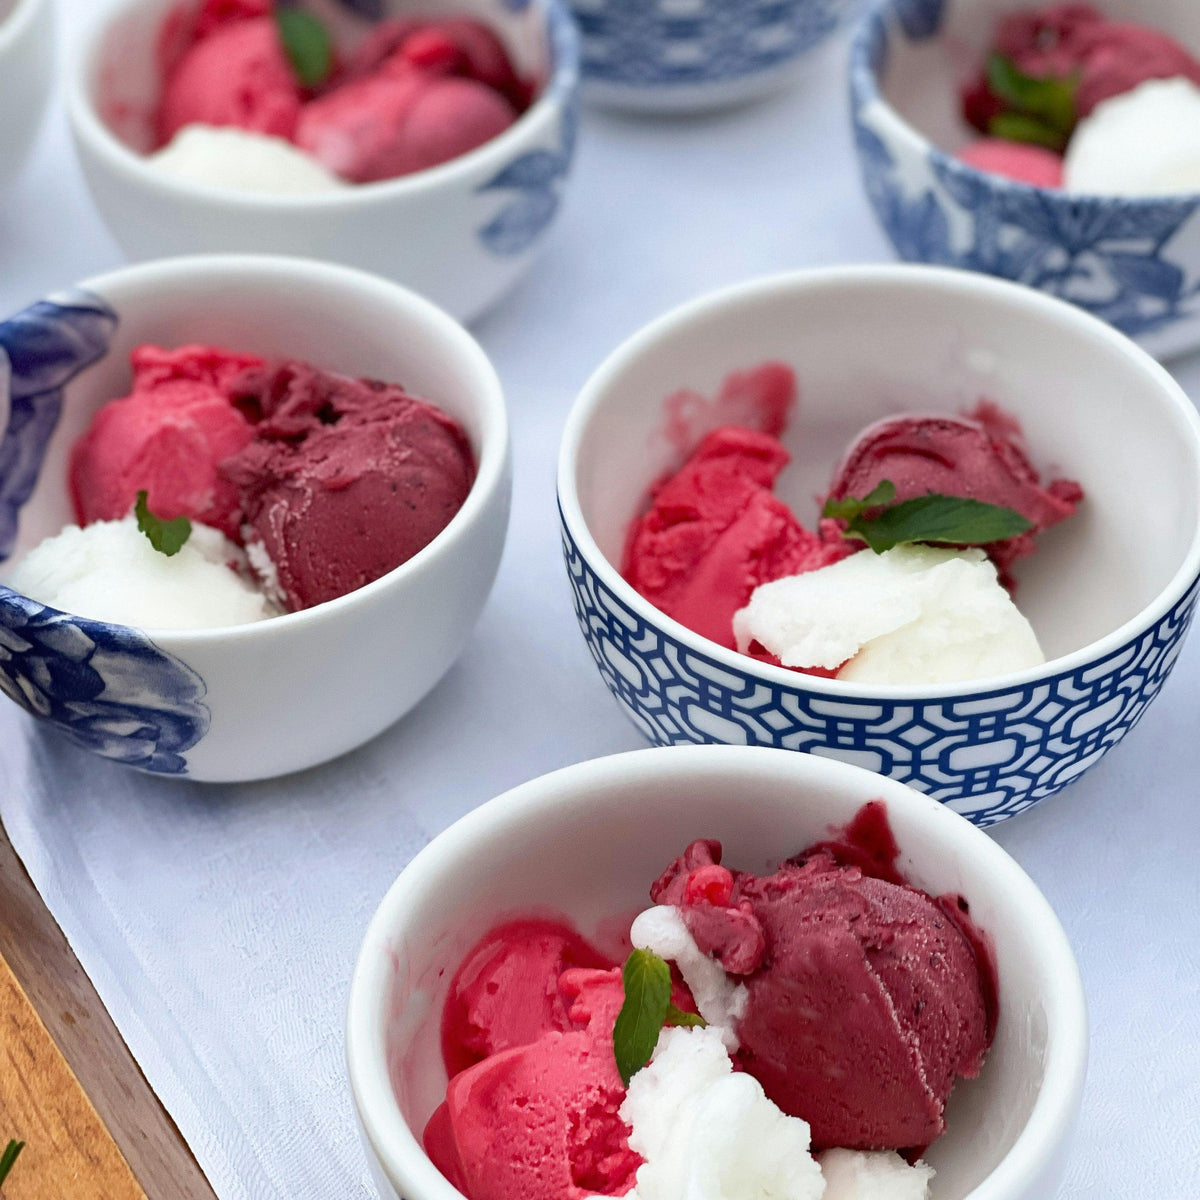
{"x":68,"y":1153}
{"x":68,"y":1085}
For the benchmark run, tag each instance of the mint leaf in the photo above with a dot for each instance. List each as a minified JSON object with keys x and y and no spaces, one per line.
{"x":307,"y":44}
{"x":1014,"y":127}
{"x":167,"y":537}
{"x":647,"y":980}
{"x":849,"y":507}
{"x":949,"y":520}
{"x":9,"y":1157}
{"x":676,"y":1016}
{"x":1040,"y":110}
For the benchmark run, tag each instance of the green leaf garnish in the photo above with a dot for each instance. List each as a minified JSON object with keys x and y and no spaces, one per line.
{"x":307,"y":44}
{"x":167,"y":537}
{"x":647,"y":980}
{"x":9,"y":1157}
{"x":1041,"y":111}
{"x":849,"y":508}
{"x":948,"y":520}
{"x":676,"y":1016}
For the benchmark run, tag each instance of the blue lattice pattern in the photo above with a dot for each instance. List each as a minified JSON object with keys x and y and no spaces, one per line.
{"x":988,"y":755}
{"x":669,"y":42}
{"x":1132,"y":262}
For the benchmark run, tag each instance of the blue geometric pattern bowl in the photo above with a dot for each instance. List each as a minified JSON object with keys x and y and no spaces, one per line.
{"x":988,"y":748}
{"x":697,"y":54}
{"x":1132,"y":262}
{"x":989,"y":756}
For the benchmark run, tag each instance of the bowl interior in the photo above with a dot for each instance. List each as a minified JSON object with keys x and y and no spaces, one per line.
{"x":124,"y":78}
{"x":864,"y":346}
{"x":923,"y":76}
{"x":589,"y":842}
{"x":333,"y":318}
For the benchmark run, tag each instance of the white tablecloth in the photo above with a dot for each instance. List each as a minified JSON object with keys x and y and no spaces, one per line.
{"x":220,"y":924}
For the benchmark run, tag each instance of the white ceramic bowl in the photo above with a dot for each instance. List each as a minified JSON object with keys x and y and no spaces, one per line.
{"x":251,"y":701}
{"x":26,"y":73}
{"x":668,"y":56}
{"x":589,"y":840}
{"x":1132,"y":261}
{"x":1109,"y":592}
{"x":462,"y":233}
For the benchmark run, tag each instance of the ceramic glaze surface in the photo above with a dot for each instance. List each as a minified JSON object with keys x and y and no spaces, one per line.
{"x":1132,"y":262}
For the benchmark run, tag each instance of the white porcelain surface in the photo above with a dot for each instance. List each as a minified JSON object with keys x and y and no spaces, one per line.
{"x":462,"y":233}
{"x":1132,"y":261}
{"x":867,"y":342}
{"x":300,"y":689}
{"x":589,"y":840}
{"x":26,"y":74}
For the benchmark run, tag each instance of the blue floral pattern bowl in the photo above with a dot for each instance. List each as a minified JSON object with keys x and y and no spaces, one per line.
{"x":662,"y":55}
{"x":462,"y":233}
{"x":249,"y":701}
{"x":1132,"y":262}
{"x":1111,"y":600}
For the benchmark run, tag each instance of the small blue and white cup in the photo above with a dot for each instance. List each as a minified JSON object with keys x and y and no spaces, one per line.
{"x":1134,"y":262}
{"x":462,"y":233}
{"x":249,"y":701}
{"x":695,"y":55}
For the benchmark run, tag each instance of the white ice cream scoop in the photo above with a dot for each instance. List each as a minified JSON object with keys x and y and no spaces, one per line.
{"x":109,"y":571}
{"x":241,"y":161}
{"x":913,"y":615}
{"x":1145,"y":142}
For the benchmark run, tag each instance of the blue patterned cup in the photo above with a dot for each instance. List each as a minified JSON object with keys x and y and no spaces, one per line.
{"x":1132,"y":262}
{"x":1109,"y":592}
{"x":251,"y":701}
{"x":692,"y":55}
{"x":462,"y":233}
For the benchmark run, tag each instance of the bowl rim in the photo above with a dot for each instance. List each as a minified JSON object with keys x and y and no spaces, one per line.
{"x":866,"y":89}
{"x":15,"y":24}
{"x":92,"y":132}
{"x":492,"y":457}
{"x":971,"y":283}
{"x":395,"y":1145}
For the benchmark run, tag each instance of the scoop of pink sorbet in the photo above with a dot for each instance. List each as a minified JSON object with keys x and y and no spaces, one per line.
{"x":400,"y":120}
{"x":1025,"y":163}
{"x":236,"y":76}
{"x":167,"y":437}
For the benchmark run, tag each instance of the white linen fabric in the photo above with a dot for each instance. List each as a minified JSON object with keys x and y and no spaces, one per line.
{"x":220,"y":924}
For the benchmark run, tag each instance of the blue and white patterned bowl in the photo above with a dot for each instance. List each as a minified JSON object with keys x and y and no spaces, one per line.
{"x":1132,"y":262}
{"x":250,"y":701}
{"x":462,"y":233}
{"x":26,"y":73}
{"x":692,"y":55}
{"x":1110,"y":592}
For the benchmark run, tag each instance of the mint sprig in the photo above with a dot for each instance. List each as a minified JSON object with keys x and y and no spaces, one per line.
{"x":167,"y":537}
{"x":647,"y":1008}
{"x":1040,"y":111}
{"x":934,"y":517}
{"x":306,"y":43}
{"x":9,"y":1157}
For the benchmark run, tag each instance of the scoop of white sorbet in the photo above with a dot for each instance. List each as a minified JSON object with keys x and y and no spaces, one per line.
{"x":242,"y":162}
{"x":109,"y":571}
{"x":912,"y":615}
{"x":707,"y":1133}
{"x":1144,"y":142}
{"x":878,"y":1175}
